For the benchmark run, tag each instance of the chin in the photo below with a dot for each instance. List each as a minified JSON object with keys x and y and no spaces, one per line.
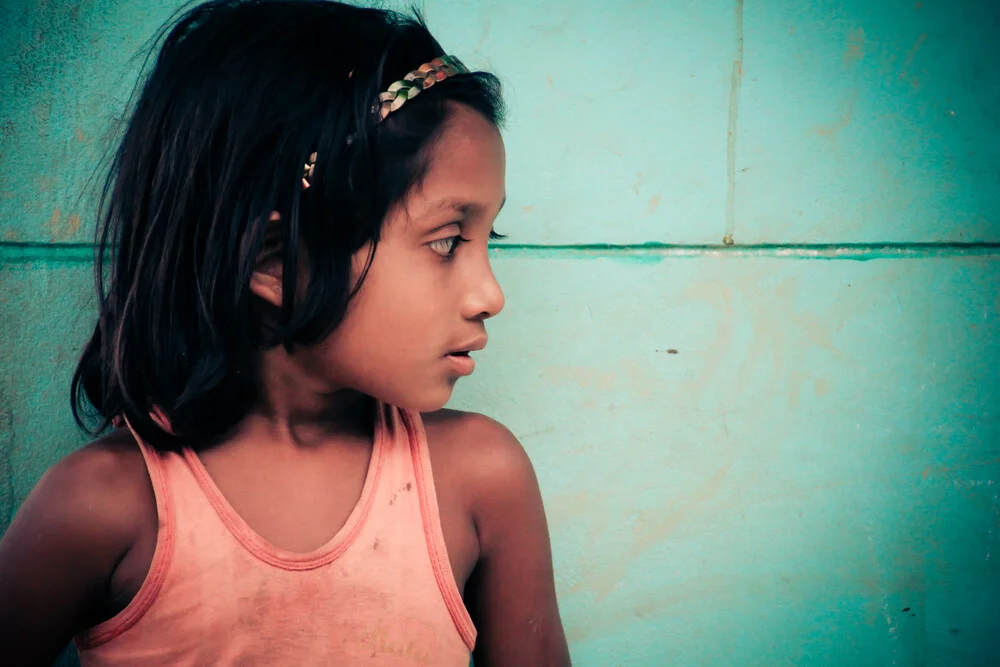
{"x":431,"y":400}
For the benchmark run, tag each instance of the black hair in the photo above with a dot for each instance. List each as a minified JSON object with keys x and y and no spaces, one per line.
{"x":239,"y":95}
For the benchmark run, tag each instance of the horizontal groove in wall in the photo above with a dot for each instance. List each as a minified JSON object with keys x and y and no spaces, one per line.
{"x":80,"y":253}
{"x":851,"y":251}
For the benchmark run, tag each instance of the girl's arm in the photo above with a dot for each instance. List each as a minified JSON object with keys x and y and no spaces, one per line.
{"x":58,"y":556}
{"x":512,"y":593}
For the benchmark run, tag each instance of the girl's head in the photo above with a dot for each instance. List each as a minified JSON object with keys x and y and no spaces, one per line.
{"x":223,"y":279}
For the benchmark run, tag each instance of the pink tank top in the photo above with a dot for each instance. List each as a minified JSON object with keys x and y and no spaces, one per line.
{"x":381,"y":592}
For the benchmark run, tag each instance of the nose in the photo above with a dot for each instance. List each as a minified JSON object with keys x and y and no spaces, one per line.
{"x":485,"y":299}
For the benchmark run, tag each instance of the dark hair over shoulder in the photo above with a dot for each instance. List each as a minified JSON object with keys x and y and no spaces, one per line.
{"x":240,"y":94}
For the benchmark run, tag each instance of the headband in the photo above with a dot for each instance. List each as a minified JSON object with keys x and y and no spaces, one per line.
{"x":398,"y":92}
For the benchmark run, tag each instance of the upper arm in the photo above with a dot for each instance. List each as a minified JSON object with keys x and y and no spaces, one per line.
{"x":58,"y":555}
{"x":512,"y":591}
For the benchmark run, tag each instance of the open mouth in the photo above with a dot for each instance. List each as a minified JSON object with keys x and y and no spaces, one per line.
{"x":461,"y":361}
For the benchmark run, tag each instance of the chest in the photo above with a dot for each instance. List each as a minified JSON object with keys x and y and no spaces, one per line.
{"x":301,"y":506}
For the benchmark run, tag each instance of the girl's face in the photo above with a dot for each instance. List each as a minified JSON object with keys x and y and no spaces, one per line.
{"x":430,"y":289}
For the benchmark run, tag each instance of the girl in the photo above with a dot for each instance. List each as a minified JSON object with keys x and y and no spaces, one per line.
{"x":293,"y":267}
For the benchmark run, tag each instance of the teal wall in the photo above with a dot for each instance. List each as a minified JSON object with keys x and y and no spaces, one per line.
{"x":753,"y":280}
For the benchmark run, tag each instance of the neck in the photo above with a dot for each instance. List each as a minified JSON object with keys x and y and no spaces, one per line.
{"x":297,"y":407}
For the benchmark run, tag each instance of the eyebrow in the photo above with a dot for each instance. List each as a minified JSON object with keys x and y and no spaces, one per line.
{"x":462,"y":206}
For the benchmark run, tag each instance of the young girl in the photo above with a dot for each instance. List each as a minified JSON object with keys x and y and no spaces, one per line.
{"x":293,"y":267}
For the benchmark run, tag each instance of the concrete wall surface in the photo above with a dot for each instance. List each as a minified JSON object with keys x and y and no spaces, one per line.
{"x":753,"y":306}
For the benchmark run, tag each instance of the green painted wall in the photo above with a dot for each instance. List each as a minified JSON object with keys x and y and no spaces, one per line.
{"x":753,"y":313}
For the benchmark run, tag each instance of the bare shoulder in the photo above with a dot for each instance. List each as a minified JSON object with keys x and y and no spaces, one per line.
{"x":62,"y":549}
{"x":470,"y":431}
{"x":511,"y":594}
{"x":481,"y":448}
{"x":94,"y":501}
{"x":104,"y":482}
{"x":481,"y":456}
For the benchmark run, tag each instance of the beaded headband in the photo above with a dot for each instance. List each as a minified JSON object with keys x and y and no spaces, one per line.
{"x":398,"y":92}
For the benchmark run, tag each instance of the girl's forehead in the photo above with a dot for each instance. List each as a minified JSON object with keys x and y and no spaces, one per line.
{"x":466,"y":165}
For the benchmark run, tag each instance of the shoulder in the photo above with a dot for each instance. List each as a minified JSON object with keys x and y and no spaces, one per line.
{"x":96,"y":497}
{"x":110,"y":471}
{"x":483,"y":447}
{"x":457,"y":428}
{"x":511,"y":593}
{"x":60,"y":552}
{"x":483,"y":456}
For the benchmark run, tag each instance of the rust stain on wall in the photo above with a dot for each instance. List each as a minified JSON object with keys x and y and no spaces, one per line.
{"x":485,"y":34}
{"x":653,"y":204}
{"x":62,"y":229}
{"x":44,"y":183}
{"x":53,"y":224}
{"x":583,"y":377}
{"x":908,"y":63}
{"x":830,"y":130}
{"x":718,"y":296}
{"x":855,"y":47}
{"x":640,"y":178}
{"x":651,"y":526}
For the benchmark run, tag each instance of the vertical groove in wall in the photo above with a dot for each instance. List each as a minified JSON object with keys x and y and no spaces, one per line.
{"x":735,"y":83}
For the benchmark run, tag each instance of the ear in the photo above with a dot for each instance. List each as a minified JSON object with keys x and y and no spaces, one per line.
{"x":265,"y":282}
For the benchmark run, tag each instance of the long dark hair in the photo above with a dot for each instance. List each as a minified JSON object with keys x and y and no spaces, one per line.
{"x":240,"y":94}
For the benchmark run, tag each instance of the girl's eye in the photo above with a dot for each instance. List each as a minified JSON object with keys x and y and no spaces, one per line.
{"x":447,"y":247}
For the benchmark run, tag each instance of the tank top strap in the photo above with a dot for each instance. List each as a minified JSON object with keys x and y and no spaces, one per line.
{"x":409,"y":427}
{"x":160,"y":562}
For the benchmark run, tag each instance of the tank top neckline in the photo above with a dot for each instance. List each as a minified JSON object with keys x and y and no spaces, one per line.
{"x":283,"y":558}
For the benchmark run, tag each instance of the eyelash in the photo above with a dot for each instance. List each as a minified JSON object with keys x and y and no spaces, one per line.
{"x":449,"y":245}
{"x":453,"y":242}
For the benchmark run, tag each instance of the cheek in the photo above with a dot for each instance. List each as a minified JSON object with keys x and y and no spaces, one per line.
{"x":391,"y":325}
{"x":388,"y":349}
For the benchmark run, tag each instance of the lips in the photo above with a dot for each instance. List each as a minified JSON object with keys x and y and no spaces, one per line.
{"x":461,"y":362}
{"x":473,"y":345}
